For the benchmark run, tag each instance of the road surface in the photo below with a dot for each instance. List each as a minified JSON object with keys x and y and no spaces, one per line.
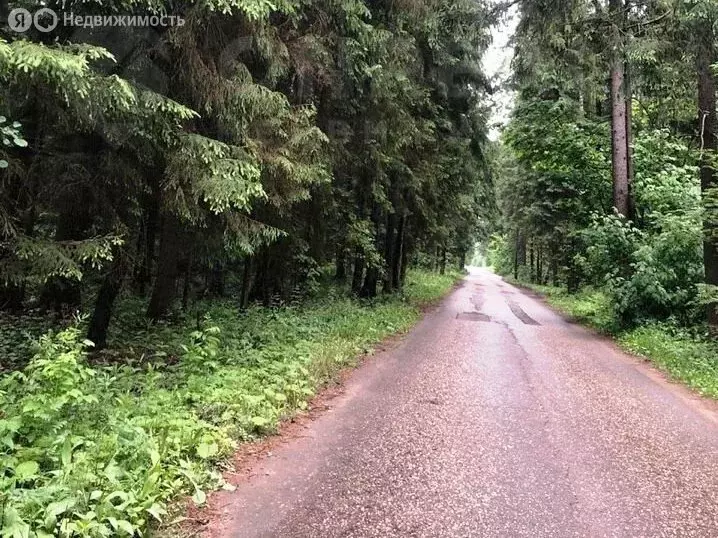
{"x":494,"y":417}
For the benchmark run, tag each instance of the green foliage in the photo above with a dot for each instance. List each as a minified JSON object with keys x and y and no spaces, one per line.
{"x":647,"y":275}
{"x":555,"y":195}
{"x":553,"y":170}
{"x":11,"y":137}
{"x":39,"y":260}
{"x":685,"y":355}
{"x":500,"y":254}
{"x":257,"y":134}
{"x":423,"y":290}
{"x":17,"y":334}
{"x":98,"y":450}
{"x":652,"y":271}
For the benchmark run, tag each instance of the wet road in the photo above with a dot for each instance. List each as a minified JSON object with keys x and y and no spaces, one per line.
{"x":494,"y":417}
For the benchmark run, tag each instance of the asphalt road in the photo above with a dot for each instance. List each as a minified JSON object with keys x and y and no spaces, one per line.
{"x":494,"y":417}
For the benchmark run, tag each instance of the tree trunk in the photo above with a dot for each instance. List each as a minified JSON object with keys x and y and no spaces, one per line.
{"x":520,"y":253}
{"x":516,"y":256}
{"x":216,"y":279}
{"x":246,"y":281}
{"x":532,"y":271}
{"x":186,"y":283}
{"x":264,"y":280}
{"x":619,"y":136}
{"x":168,"y":269}
{"x":398,"y":259}
{"x":340,"y":275}
{"x":147,"y":241}
{"x":389,"y":253}
{"x":442,"y":264}
{"x":629,"y":139}
{"x":358,"y":276}
{"x":106,"y":296}
{"x":705,"y":57}
{"x":404,"y":258}
{"x":371,"y":280}
{"x":522,"y":249}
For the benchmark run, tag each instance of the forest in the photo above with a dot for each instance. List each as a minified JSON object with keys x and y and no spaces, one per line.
{"x":202,"y":223}
{"x":605,"y":174}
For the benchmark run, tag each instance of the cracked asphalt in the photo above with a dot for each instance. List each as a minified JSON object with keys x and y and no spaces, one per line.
{"x":494,"y":417}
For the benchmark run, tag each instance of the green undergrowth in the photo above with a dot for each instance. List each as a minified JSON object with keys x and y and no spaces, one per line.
{"x":423,"y":291}
{"x":688,"y":355}
{"x":97,"y":446}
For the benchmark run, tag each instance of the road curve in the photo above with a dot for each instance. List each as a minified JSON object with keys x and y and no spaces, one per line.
{"x":494,"y":417}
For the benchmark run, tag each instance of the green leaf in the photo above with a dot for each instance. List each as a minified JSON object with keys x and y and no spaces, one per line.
{"x":126,"y":526}
{"x":156,"y":511}
{"x":260,"y":421}
{"x":199,"y":497}
{"x":66,"y":453}
{"x":113,"y":472}
{"x":13,"y":525}
{"x":60,"y":507}
{"x":27,"y":469}
{"x":207,"y":450}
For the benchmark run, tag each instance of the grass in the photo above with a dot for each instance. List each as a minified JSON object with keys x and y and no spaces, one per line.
{"x":98,"y":447}
{"x":686,"y":357}
{"x":689,"y":356}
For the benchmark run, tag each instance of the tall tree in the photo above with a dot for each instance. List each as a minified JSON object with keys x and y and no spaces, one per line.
{"x":620,"y":103}
{"x":705,"y":55}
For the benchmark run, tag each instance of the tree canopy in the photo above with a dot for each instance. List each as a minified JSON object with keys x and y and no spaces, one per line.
{"x":239,"y":152}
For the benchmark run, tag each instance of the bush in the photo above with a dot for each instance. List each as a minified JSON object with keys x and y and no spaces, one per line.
{"x":648,"y":275}
{"x":652,"y":271}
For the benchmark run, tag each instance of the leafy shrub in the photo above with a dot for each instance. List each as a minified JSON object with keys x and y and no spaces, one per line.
{"x":648,"y":275}
{"x":652,"y":271}
{"x":82,"y":455}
